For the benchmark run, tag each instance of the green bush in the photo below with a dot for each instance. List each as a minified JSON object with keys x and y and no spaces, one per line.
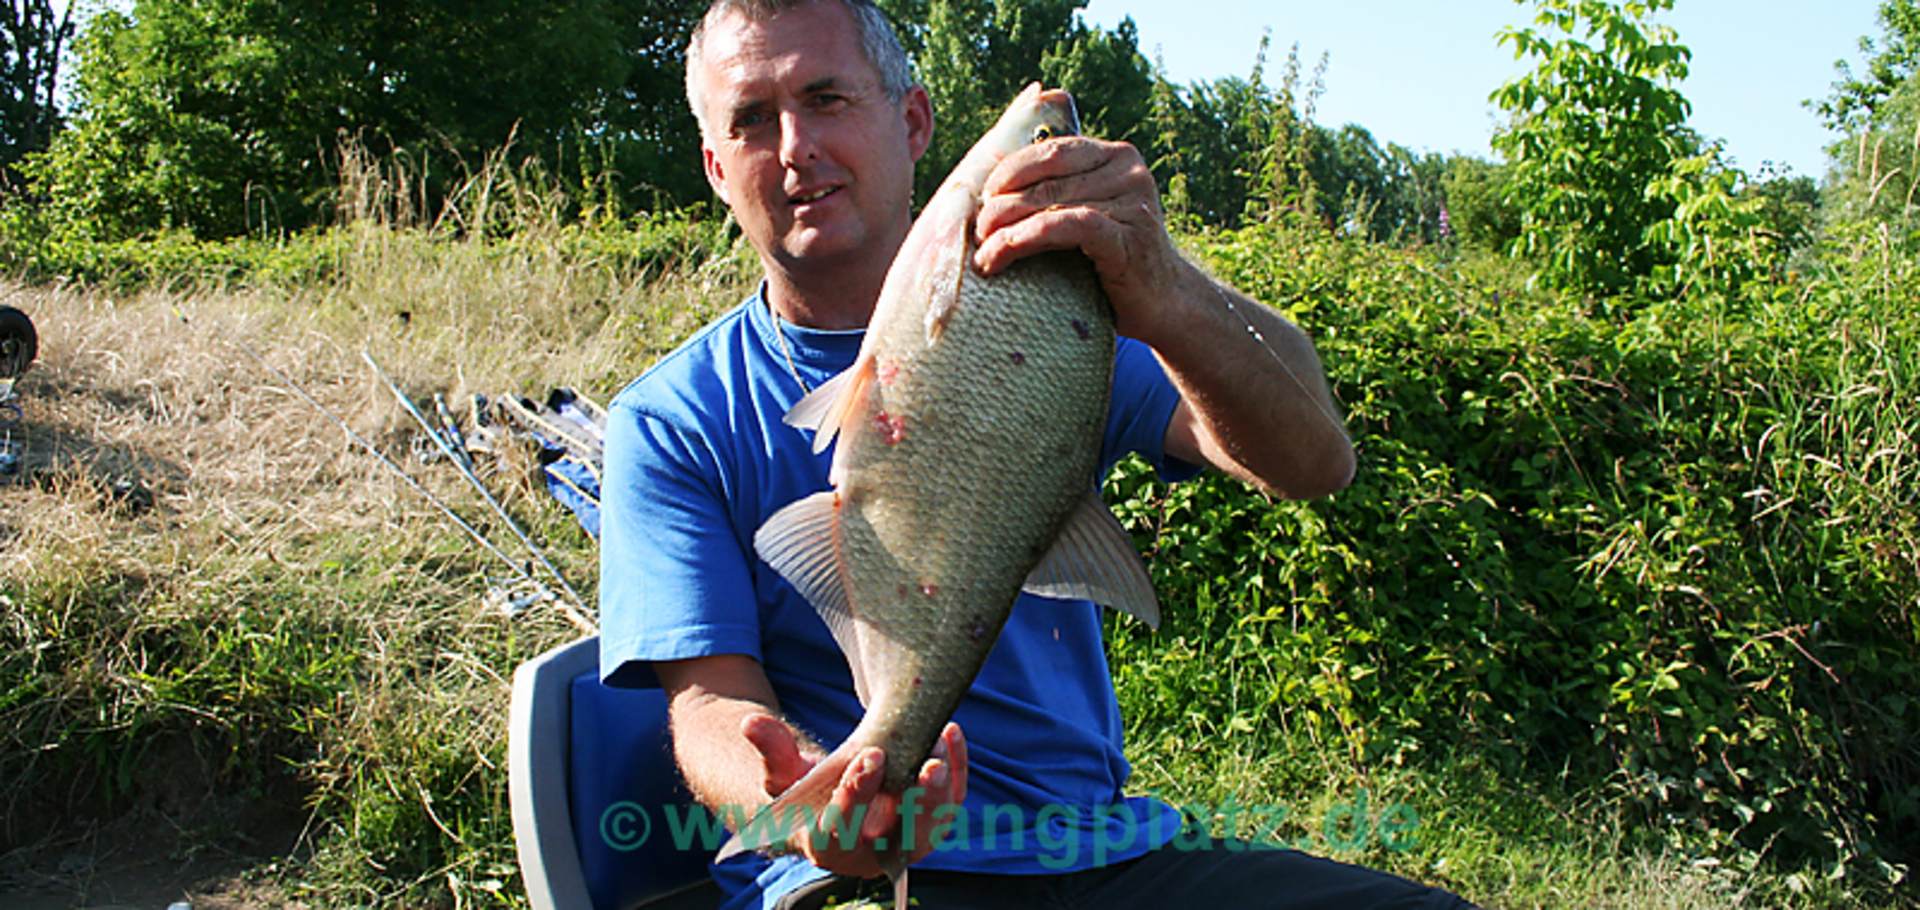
{"x":1667,"y":549}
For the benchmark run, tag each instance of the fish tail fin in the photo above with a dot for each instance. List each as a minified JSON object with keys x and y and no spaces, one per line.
{"x":800,"y":809}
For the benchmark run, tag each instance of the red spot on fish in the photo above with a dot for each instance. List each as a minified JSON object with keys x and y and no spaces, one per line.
{"x":1080,"y":329}
{"x":888,"y":372}
{"x":891,"y":428}
{"x":1018,"y":358}
{"x":916,"y":682}
{"x":929,"y":588}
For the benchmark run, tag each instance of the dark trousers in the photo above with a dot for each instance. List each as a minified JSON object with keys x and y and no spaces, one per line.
{"x":1238,"y":875}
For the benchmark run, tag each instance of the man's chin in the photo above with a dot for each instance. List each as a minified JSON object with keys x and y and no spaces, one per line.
{"x":820,"y":246}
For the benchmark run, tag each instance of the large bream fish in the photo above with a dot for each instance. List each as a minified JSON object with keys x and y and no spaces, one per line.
{"x":969,"y":432}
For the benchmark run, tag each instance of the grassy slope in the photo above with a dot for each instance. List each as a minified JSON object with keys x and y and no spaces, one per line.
{"x":201,"y":567}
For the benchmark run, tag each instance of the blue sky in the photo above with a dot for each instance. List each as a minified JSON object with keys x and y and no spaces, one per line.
{"x":1418,"y":73}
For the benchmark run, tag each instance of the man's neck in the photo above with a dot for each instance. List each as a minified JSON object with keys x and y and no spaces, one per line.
{"x":837,"y":295}
{"x":833,"y":303}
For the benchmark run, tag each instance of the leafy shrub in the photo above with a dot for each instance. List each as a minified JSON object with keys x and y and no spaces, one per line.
{"x":1667,"y":553}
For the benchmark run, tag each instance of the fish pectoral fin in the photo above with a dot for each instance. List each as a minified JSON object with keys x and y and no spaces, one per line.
{"x":799,"y":542}
{"x":1093,"y":559}
{"x":826,"y":410}
{"x":796,"y":811}
{"x":946,"y":277}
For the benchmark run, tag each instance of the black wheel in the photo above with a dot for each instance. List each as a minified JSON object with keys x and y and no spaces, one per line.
{"x":18,"y":343}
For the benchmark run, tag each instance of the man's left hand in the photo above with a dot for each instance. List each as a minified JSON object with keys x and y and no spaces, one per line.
{"x":1094,"y":196}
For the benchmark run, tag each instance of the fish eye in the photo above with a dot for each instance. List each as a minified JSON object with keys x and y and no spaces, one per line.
{"x":1042,"y":132}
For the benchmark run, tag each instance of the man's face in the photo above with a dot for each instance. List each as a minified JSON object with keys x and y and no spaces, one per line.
{"x":802,"y":141}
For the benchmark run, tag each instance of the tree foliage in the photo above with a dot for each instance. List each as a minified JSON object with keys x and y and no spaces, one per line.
{"x":1594,"y":124}
{"x":1478,"y":210}
{"x":32,"y":37}
{"x":1857,"y":100}
{"x":1392,"y":193}
{"x":220,"y":115}
{"x":1872,"y":178}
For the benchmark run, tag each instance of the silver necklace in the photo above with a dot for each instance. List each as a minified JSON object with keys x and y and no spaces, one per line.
{"x":780,"y":335}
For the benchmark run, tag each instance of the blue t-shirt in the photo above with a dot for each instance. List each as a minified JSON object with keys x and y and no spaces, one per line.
{"x":697,"y":458}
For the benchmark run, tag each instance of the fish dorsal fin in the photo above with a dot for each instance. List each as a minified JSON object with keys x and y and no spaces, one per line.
{"x":826,"y":409}
{"x":1093,"y":559}
{"x":800,"y":543}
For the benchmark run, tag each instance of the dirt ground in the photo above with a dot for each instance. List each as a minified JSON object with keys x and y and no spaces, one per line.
{"x":184,"y":840}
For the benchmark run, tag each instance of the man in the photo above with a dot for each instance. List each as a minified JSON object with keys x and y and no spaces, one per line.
{"x":810,"y":128}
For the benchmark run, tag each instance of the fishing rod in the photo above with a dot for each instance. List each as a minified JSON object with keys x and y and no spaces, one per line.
{"x":542,"y":592}
{"x":573,"y":609}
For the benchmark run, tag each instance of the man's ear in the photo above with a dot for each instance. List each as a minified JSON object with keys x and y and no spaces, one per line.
{"x":918,"y":109}
{"x":716,"y":176}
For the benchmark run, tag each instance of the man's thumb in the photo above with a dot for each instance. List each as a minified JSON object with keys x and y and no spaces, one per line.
{"x":779,"y":751}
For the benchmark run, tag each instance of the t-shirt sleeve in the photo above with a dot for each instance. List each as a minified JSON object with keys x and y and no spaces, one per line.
{"x":1141,"y":408}
{"x":675,"y":581}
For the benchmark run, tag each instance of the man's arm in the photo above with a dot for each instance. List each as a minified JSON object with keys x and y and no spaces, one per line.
{"x":1254,"y":400}
{"x":736,"y":754}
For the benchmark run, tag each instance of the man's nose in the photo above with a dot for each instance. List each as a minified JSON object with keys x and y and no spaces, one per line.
{"x":797,"y":143}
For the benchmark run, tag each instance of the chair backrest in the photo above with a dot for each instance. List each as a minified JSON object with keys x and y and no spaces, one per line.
{"x":591,"y":779}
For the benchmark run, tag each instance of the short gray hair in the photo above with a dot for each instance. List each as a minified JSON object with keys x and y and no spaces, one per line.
{"x":877,"y":41}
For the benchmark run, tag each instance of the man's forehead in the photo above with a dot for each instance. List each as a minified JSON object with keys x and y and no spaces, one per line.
{"x":811,"y":45}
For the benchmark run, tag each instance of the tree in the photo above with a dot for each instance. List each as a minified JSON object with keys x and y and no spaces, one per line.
{"x":1856,"y":102}
{"x":221,"y":115}
{"x":1594,"y":124}
{"x":974,"y":56}
{"x":1874,"y":165}
{"x":1477,"y":209}
{"x":31,"y":40}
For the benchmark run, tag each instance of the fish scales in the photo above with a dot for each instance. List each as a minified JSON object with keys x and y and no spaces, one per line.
{"x":944,"y":522}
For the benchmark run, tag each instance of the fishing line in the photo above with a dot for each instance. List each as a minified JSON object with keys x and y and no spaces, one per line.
{"x":1261,"y":337}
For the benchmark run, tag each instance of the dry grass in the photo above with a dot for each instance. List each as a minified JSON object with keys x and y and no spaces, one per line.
{"x":196,"y":563}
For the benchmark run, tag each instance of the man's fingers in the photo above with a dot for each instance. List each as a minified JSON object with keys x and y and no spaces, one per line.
{"x":1086,"y":229}
{"x":956,"y":744}
{"x":861,"y":780}
{"x":1000,"y":212}
{"x":1052,"y":160}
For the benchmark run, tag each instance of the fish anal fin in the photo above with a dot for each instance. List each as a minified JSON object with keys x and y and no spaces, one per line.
{"x":801,"y":542}
{"x":1093,"y":559}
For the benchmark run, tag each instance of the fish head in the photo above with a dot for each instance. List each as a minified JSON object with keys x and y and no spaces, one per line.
{"x":1036,"y":115}
{"x":1041,"y":114}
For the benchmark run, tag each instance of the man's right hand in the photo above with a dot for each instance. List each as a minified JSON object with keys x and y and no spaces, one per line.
{"x":857,"y":797}
{"x":734,"y":750}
